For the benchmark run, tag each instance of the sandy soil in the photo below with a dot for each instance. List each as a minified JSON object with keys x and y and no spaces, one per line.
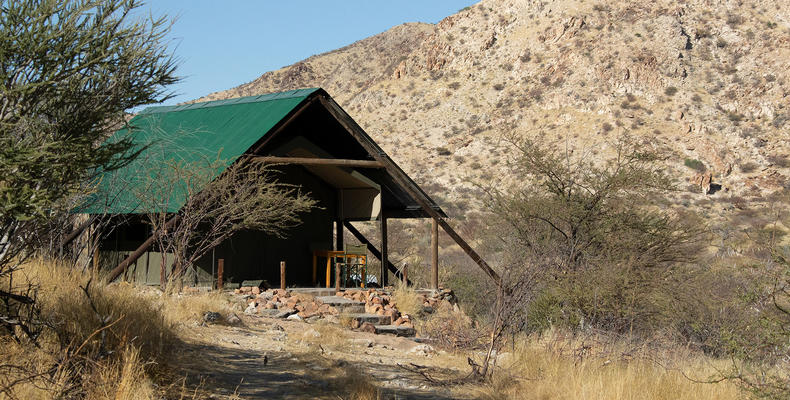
{"x":266,"y":358}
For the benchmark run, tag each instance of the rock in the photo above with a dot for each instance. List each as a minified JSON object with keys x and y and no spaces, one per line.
{"x":423,"y":348}
{"x":269,"y":306}
{"x":285,"y":313}
{"x":256,"y":290}
{"x":367,"y":327}
{"x":237,"y":291}
{"x":398,"y":321}
{"x":211,"y":317}
{"x":232,"y":319}
{"x":268,"y":313}
{"x":294,"y":317}
{"x":392,"y":313}
{"x":354,"y":323}
{"x":331,"y":319}
{"x":251,"y":309}
{"x":427,"y":310}
{"x":703,"y":180}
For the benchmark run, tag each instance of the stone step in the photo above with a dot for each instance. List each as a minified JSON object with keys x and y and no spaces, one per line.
{"x":342,"y":304}
{"x":374,"y":319}
{"x":397,"y":330}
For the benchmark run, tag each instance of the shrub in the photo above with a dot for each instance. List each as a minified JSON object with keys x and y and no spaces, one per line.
{"x":589,"y":239}
{"x":694,"y":164}
{"x":670,"y":91}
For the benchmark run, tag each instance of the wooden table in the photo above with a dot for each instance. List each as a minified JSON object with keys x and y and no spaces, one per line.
{"x":331,"y":255}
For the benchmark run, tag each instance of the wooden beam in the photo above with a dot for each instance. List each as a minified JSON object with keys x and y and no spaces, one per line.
{"x":75,"y":233}
{"x":373,"y":250}
{"x":434,"y":254}
{"x":338,"y":162}
{"x":140,"y":251}
{"x":401,"y":179}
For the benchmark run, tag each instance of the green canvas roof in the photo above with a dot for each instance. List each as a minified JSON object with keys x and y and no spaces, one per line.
{"x":210,"y":135}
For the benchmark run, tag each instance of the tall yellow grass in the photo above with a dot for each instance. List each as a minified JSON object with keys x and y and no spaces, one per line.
{"x":114,"y":337}
{"x":534,"y":370}
{"x":406,"y":299}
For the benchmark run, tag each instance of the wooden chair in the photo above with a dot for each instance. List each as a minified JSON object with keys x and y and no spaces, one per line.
{"x":354,"y":263}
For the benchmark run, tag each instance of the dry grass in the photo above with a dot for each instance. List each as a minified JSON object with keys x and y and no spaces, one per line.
{"x":406,"y":299}
{"x":536,"y":369}
{"x":186,"y":309}
{"x":100,"y":341}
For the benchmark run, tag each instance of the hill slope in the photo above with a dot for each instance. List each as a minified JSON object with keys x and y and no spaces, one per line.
{"x":707,"y":81}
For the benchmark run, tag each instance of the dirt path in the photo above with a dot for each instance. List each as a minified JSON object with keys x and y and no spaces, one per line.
{"x":275,"y":359}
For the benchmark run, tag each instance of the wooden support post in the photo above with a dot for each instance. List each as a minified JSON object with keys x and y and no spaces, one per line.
{"x":282,"y":275}
{"x":337,"y":278}
{"x":339,"y":235}
{"x":384,"y":253}
{"x":434,"y":253}
{"x":220,"y":273}
{"x":405,"y":273}
{"x":373,"y":250}
{"x":315,"y":270}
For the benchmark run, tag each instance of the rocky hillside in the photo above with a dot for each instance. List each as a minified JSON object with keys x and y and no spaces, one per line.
{"x":705,"y":80}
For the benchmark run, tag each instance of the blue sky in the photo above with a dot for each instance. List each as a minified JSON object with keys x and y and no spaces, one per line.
{"x":222,"y":44}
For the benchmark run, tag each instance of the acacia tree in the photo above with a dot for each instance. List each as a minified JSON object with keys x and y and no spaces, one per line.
{"x":69,"y":70}
{"x":597,"y":234}
{"x":244,"y":196}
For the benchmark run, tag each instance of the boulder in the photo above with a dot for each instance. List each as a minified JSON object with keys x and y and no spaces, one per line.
{"x":285,"y":313}
{"x":368,"y":327}
{"x":232,"y":319}
{"x":211,"y":317}
{"x":251,"y":309}
{"x":294,"y":317}
{"x":422,"y":349}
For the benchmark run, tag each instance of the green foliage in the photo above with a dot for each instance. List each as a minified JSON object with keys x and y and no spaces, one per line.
{"x":601,"y":250}
{"x":694,"y":164}
{"x":69,"y":71}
